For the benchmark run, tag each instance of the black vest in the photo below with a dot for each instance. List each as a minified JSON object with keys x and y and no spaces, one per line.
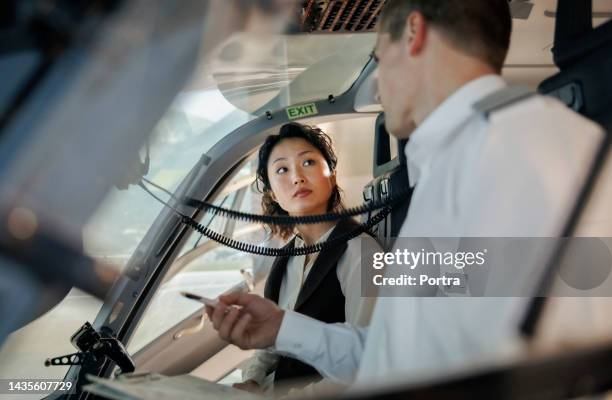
{"x":320,"y":297}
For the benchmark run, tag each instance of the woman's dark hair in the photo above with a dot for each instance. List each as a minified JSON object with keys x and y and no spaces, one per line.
{"x":321,"y":142}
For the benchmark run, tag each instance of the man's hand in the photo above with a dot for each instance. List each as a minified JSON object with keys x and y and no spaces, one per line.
{"x":254,"y":324}
{"x":249,"y":386}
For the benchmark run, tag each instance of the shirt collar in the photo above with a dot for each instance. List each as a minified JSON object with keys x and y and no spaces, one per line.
{"x":300,"y":243}
{"x":431,"y":135}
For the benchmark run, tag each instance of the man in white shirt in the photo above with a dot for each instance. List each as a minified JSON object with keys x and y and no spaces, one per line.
{"x":515,"y":173}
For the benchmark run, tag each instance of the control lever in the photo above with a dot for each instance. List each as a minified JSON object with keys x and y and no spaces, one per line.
{"x":99,"y":346}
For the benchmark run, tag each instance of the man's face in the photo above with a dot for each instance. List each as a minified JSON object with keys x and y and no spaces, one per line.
{"x":397,"y":83}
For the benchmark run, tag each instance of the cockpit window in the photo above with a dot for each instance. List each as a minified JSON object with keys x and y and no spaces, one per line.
{"x":204,"y":267}
{"x":195,"y":122}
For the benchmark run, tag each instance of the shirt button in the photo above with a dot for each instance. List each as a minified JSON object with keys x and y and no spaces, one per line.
{"x":297,"y":346}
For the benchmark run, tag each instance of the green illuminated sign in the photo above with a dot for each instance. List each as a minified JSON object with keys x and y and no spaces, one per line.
{"x":304,"y":110}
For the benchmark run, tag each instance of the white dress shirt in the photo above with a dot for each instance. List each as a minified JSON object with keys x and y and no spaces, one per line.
{"x":357,"y":309}
{"x":514,"y":174}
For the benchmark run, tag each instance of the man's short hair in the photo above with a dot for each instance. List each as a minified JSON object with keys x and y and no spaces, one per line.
{"x":480,"y":28}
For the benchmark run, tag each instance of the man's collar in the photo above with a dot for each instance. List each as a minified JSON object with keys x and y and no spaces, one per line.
{"x":442,"y":122}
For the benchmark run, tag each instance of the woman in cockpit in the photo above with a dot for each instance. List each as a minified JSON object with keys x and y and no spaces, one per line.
{"x":297,"y":176}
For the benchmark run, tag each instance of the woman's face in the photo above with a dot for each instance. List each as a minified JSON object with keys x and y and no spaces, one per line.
{"x":300,"y":178}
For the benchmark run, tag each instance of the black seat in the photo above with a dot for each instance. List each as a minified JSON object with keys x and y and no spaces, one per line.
{"x":390,"y":174}
{"x":584,"y":57}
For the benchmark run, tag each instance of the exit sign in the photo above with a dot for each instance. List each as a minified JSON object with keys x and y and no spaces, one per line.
{"x":304,"y":110}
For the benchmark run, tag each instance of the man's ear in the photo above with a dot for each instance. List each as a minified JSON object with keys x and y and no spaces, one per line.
{"x":415,"y":32}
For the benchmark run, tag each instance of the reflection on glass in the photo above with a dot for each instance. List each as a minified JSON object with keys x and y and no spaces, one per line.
{"x":192,"y":125}
{"x":112,"y":95}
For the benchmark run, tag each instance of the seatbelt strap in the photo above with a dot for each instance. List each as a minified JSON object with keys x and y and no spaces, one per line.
{"x":501,"y":99}
{"x":574,"y":20}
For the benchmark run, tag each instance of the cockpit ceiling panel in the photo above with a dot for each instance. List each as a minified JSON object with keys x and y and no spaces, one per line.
{"x":362,"y":15}
{"x":340,"y":15}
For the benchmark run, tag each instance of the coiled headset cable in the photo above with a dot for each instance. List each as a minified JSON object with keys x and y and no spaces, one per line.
{"x":383,"y":205}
